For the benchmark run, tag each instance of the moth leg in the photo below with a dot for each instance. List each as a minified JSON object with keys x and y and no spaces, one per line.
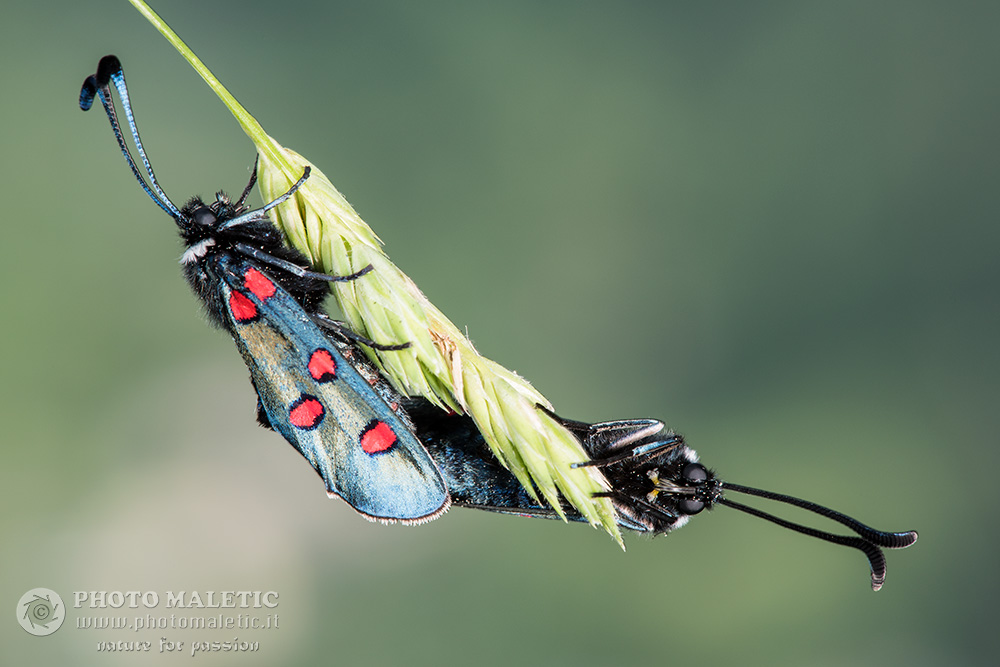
{"x":294,"y":269}
{"x":654,"y":448}
{"x":249,"y":187}
{"x":262,"y":417}
{"x":341,"y":329}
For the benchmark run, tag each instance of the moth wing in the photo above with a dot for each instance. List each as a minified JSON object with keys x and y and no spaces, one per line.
{"x":365,"y":452}
{"x":603,"y":439}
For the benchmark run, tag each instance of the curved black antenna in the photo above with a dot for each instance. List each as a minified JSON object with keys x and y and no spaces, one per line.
{"x":868,"y":534}
{"x":876,"y":559}
{"x":868,"y":541}
{"x":110,"y":70}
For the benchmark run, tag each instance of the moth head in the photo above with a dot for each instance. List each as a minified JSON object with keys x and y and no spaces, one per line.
{"x":203,"y":217}
{"x":660,"y":485}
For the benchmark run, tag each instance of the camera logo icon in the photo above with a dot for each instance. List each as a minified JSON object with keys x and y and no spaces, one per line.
{"x":41,"y":611}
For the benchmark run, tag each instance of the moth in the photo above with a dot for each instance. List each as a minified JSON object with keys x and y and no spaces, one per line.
{"x":267,"y":297}
{"x":656,"y":483}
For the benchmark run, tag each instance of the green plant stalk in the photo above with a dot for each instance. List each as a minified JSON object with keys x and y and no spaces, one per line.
{"x":441,"y":364}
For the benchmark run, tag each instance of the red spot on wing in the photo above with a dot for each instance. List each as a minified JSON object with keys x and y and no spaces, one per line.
{"x":306,"y":412}
{"x":259,"y":284}
{"x":377,"y":438}
{"x":322,"y":366}
{"x":242,"y":308}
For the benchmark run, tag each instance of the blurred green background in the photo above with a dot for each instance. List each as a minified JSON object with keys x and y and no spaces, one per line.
{"x":771,"y":224}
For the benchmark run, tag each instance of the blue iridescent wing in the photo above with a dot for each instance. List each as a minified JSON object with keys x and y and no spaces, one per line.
{"x":366,"y":453}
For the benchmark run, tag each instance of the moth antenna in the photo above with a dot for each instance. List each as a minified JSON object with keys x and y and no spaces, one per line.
{"x":867,"y":533}
{"x":109,"y":70}
{"x":868,"y":541}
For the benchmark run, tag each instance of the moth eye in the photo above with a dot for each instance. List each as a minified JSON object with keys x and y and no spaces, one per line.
{"x":204,"y":216}
{"x":691,"y":506}
{"x":694,"y":473}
